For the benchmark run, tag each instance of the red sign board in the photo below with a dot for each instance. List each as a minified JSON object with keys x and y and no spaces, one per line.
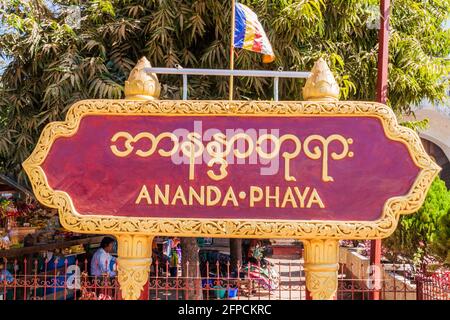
{"x":338,"y":166}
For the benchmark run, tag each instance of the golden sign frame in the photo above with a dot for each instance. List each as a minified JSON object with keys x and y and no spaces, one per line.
{"x":231,"y":228}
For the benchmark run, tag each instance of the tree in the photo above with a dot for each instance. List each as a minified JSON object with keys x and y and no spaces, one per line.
{"x":441,"y":242}
{"x":427,"y":231}
{"x":235,"y":254}
{"x":190,"y":269}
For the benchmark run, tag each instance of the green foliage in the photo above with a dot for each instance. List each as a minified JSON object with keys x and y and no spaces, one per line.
{"x":416,"y":125}
{"x":441,"y":243}
{"x":426,"y":232}
{"x":53,"y":64}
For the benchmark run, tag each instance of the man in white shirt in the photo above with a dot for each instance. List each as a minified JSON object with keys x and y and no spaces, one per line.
{"x":103,"y":262}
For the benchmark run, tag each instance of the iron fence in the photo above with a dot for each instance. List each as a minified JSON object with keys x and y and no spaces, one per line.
{"x":279,"y":279}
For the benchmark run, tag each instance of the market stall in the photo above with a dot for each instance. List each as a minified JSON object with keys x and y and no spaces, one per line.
{"x":32,"y":242}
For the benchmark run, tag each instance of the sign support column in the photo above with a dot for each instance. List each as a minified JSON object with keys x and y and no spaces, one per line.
{"x":321,"y":255}
{"x":134,"y":261}
{"x":103,"y":139}
{"x":321,"y":268}
{"x":135,"y":251}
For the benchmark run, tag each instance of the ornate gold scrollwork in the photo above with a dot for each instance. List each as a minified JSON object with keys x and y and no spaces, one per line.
{"x":134,"y":235}
{"x":134,"y":261}
{"x":310,"y":229}
{"x":321,"y":268}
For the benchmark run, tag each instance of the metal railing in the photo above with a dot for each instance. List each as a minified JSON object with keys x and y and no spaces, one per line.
{"x":70,"y":280}
{"x":276,"y":75}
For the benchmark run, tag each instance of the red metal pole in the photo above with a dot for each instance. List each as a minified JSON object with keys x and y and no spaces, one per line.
{"x":382,"y":89}
{"x":383,"y":51}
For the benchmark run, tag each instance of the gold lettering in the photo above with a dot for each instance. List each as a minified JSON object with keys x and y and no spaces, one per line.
{"x":193,"y":194}
{"x":253,"y":198}
{"x":275,"y":197}
{"x":189,"y":149}
{"x":209,"y":200}
{"x":143,"y":195}
{"x":315,"y":147}
{"x":149,"y":136}
{"x":216,"y":148}
{"x":292,"y":196}
{"x":314,"y":198}
{"x":276,"y":149}
{"x":223,"y":169}
{"x":301,"y":197}
{"x":174,"y":138}
{"x":129,"y":147}
{"x":179,"y":194}
{"x":230,"y":196}
{"x":160,"y":196}
{"x":323,"y":153}
{"x":289,"y":156}
{"x":236,"y":152}
{"x":289,"y":197}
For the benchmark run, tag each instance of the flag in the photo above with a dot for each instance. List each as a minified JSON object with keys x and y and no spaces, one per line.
{"x":249,"y":33}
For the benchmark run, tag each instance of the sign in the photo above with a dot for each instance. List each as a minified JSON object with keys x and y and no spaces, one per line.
{"x":232,"y":169}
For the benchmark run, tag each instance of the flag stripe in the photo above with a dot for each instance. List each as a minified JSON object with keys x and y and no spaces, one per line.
{"x":257,"y":45}
{"x":249,"y":33}
{"x":239,"y":27}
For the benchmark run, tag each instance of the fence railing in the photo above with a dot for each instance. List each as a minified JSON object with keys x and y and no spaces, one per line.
{"x":276,"y":75}
{"x":433,"y":286}
{"x":280,"y":279}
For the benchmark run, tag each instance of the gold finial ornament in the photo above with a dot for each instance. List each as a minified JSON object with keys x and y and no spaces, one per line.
{"x":142,"y":85}
{"x":321,"y":84}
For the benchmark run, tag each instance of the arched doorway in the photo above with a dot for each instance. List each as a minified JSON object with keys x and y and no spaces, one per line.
{"x":440,"y":158}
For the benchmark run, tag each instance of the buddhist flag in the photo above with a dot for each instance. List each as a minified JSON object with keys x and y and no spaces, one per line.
{"x":249,"y":33}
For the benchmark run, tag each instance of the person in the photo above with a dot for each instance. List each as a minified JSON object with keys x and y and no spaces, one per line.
{"x":7,"y":290}
{"x":5,"y":243}
{"x":5,"y":275}
{"x":167,"y":247}
{"x":256,"y":251}
{"x":103,"y":262}
{"x":174,"y":260}
{"x":172,"y":255}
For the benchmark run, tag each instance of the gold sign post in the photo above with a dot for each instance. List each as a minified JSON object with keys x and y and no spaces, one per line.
{"x":133,"y":264}
{"x":135,"y":251}
{"x":321,"y":268}
{"x":321,"y":255}
{"x":98,"y":146}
